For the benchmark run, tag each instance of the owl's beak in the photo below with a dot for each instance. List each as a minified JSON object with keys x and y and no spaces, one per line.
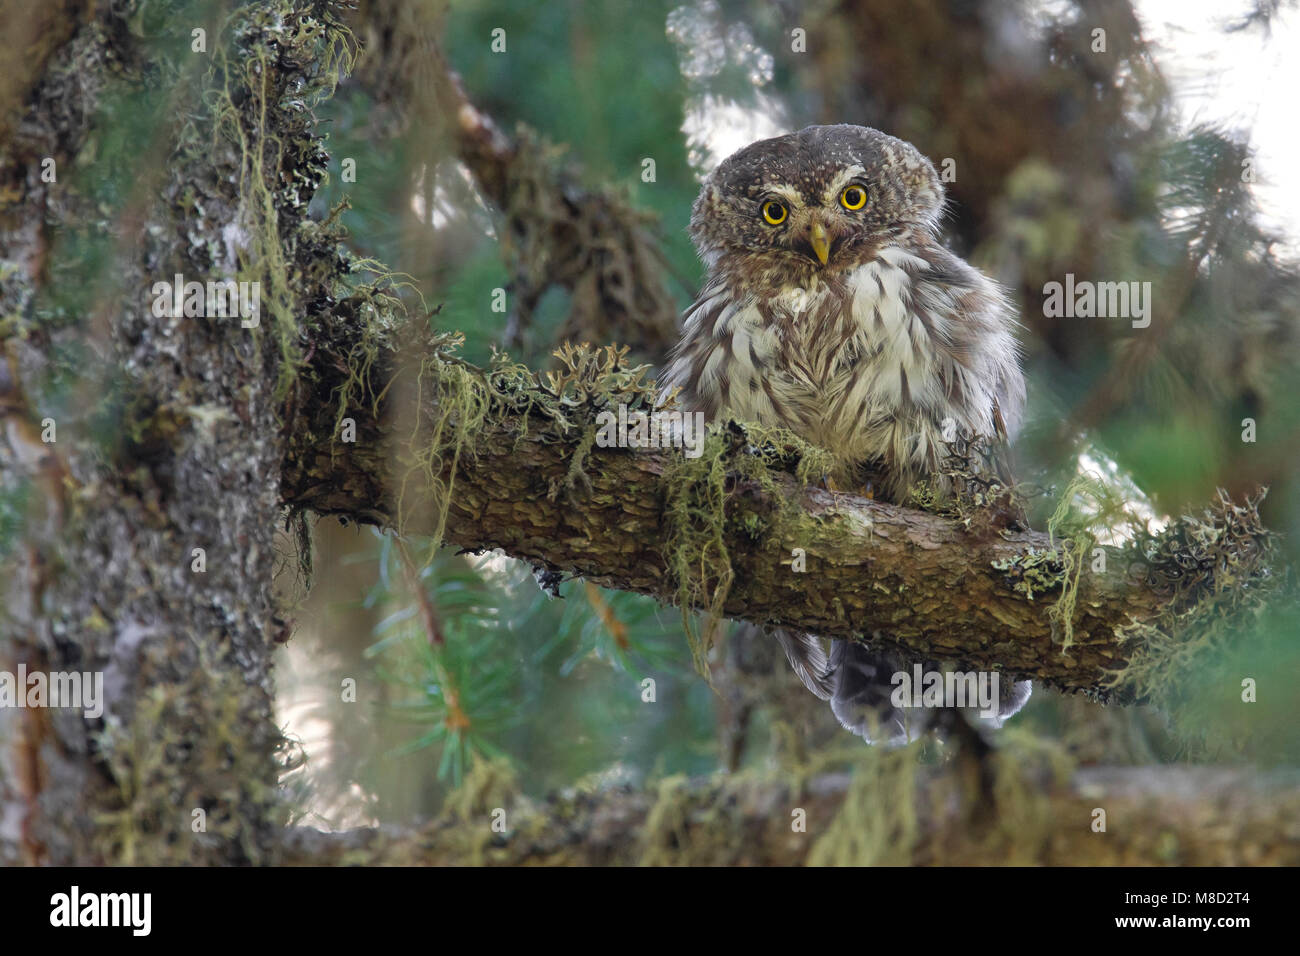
{"x":820,"y":242}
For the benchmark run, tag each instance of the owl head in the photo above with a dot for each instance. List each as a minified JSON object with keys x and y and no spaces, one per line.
{"x":814,"y":199}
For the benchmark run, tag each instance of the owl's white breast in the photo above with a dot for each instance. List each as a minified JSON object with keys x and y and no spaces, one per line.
{"x":862,"y":364}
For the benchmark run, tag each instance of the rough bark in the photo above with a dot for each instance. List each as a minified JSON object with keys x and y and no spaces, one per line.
{"x":169,"y":438}
{"x":924,"y":582}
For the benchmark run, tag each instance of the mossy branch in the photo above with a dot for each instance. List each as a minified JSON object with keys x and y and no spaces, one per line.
{"x":487,"y":458}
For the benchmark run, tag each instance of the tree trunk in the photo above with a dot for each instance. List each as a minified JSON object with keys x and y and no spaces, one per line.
{"x":150,"y":554}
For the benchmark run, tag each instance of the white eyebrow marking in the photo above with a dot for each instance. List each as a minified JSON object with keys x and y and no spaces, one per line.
{"x":789,"y":194}
{"x":842,"y":179}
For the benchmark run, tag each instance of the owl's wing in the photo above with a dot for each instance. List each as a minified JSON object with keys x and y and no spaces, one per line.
{"x":808,"y":659}
{"x":999,"y":423}
{"x":999,"y":459}
{"x":1001,"y":449}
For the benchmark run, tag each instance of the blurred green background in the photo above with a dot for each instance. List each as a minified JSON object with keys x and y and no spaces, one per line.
{"x":1067,"y":160}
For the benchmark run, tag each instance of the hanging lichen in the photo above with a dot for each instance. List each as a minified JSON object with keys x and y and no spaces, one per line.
{"x":1216,"y":570}
{"x":877,"y":824}
{"x":697,"y":497}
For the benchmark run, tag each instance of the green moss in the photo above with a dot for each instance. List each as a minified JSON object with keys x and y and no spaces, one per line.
{"x":280,"y":159}
{"x":697,"y":519}
{"x":1216,"y":568}
{"x":182,"y":737}
{"x":877,"y":824}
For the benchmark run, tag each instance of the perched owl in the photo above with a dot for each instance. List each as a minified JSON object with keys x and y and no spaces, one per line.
{"x":831,"y":308}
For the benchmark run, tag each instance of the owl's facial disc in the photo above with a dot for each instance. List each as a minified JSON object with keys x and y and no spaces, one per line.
{"x":815,"y":219}
{"x":820,"y":198}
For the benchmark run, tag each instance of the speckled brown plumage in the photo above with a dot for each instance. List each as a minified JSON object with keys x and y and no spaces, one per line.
{"x":854,"y":328}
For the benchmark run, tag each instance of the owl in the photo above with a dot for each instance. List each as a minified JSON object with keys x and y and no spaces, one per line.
{"x":831,"y":308}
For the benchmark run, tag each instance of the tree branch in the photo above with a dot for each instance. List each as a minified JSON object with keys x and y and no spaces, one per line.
{"x":1175,"y":815}
{"x":935,"y":586}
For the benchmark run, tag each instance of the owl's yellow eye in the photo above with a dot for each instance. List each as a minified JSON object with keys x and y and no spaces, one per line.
{"x":774,"y":212}
{"x":853,"y":197}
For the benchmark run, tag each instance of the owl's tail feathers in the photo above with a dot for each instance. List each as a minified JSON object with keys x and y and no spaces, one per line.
{"x":1013,"y":698}
{"x":857,"y":682}
{"x":808,"y":658}
{"x":861,"y":682}
{"x":863,"y":686}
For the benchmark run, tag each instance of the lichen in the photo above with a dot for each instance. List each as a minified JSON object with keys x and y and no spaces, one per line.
{"x":1079,"y":525}
{"x":456,"y":407}
{"x":1033,"y":572}
{"x":877,"y":824}
{"x":455,"y":402}
{"x":264,"y":110}
{"x":700,"y":512}
{"x":211,"y":162}
{"x":908,"y":801}
{"x":186,"y":747}
{"x":1086,"y":509}
{"x":490,"y":787}
{"x":1217,"y":571}
{"x":594,"y":243}
{"x":452,"y":407}
{"x":1026,"y":767}
{"x":969,"y":485}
